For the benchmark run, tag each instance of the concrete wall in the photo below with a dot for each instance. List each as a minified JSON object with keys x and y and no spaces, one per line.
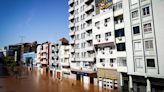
{"x":158,"y":6}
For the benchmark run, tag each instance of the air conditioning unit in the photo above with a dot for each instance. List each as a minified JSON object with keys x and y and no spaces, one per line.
{"x":103,"y":64}
{"x":98,"y":27}
{"x":106,"y":39}
{"x":111,"y":65}
{"x":120,"y":38}
{"x":102,"y":52}
{"x":98,"y":40}
{"x":105,"y":24}
{"x":111,"y":52}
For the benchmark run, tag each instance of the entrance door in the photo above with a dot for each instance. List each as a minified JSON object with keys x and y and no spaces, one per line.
{"x":58,"y":75}
{"x":78,"y":77}
{"x":91,"y":80}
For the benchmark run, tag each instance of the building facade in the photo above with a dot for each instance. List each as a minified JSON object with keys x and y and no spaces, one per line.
{"x":109,"y":41}
{"x":143,"y":32}
{"x":124,"y":39}
{"x":81,"y":40}
{"x":45,"y":54}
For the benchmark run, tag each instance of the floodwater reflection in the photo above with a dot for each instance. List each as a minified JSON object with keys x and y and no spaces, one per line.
{"x":37,"y":82}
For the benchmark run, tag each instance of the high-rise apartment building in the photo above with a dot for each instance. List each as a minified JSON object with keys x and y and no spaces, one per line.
{"x":109,"y":41}
{"x":144,"y":30}
{"x":81,"y":39}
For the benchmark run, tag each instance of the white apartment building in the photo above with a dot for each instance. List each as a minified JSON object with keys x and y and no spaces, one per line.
{"x":144,"y":44}
{"x":64,"y":57}
{"x":109,"y":42}
{"x":45,"y":54}
{"x":81,"y":40}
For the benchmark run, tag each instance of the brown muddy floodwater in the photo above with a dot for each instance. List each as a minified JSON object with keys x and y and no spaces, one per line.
{"x":35,"y":82}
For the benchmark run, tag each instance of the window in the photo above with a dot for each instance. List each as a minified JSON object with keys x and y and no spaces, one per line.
{"x":119,"y":33}
{"x":137,"y":45}
{"x":102,"y":60}
{"x":139,"y":63}
{"x":107,"y":20}
{"x":147,"y":27}
{"x":107,"y":34}
{"x":118,"y":19}
{"x":150,"y":62}
{"x":121,"y":47}
{"x":98,"y":37}
{"x":135,"y":14}
{"x":149,"y":44}
{"x":134,"y":2}
{"x":122,"y":61}
{"x":117,"y":6}
{"x":97,"y":24}
{"x":146,"y":11}
{"x":136,"y":30}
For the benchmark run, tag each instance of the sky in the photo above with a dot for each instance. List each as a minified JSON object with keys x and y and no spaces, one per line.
{"x":33,"y":20}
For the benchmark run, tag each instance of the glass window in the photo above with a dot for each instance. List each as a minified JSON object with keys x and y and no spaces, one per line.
{"x":137,"y":45}
{"x":107,"y":34}
{"x":149,"y":44}
{"x":98,"y":36}
{"x":135,"y":14}
{"x":139,"y":63}
{"x":119,"y":33}
{"x":150,"y":62}
{"x":121,"y":47}
{"x":146,"y":11}
{"x":122,"y":61}
{"x":136,"y":30}
{"x":147,"y":27}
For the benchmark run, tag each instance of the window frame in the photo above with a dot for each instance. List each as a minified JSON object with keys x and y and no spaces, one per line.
{"x":146,"y":11}
{"x":133,"y":30}
{"x":147,"y":26}
{"x":149,"y":46}
{"x":151,"y":62}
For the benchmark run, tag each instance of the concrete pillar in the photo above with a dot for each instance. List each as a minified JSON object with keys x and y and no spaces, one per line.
{"x":148,"y":87}
{"x":15,"y":56}
{"x":121,"y":83}
{"x":130,"y":84}
{"x":53,"y":73}
{"x":121,"y":80}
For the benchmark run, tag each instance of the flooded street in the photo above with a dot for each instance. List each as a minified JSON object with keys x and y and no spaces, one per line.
{"x":36,"y":82}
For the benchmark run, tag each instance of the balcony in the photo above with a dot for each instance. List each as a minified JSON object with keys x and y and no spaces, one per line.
{"x":89,"y":17}
{"x":89,"y":48}
{"x":90,"y":58}
{"x":44,"y":62}
{"x":70,"y":2}
{"x":72,"y":41}
{"x":71,"y":9}
{"x":71,"y":17}
{"x":119,"y":24}
{"x":44,"y":51}
{"x":65,"y":64}
{"x":82,"y":69}
{"x":90,"y":8}
{"x":89,"y":27}
{"x":71,"y":33}
{"x":72,"y":49}
{"x":43,"y":56}
{"x":89,"y":37}
{"x":88,"y":69}
{"x":71,"y":25}
{"x":88,"y":1}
